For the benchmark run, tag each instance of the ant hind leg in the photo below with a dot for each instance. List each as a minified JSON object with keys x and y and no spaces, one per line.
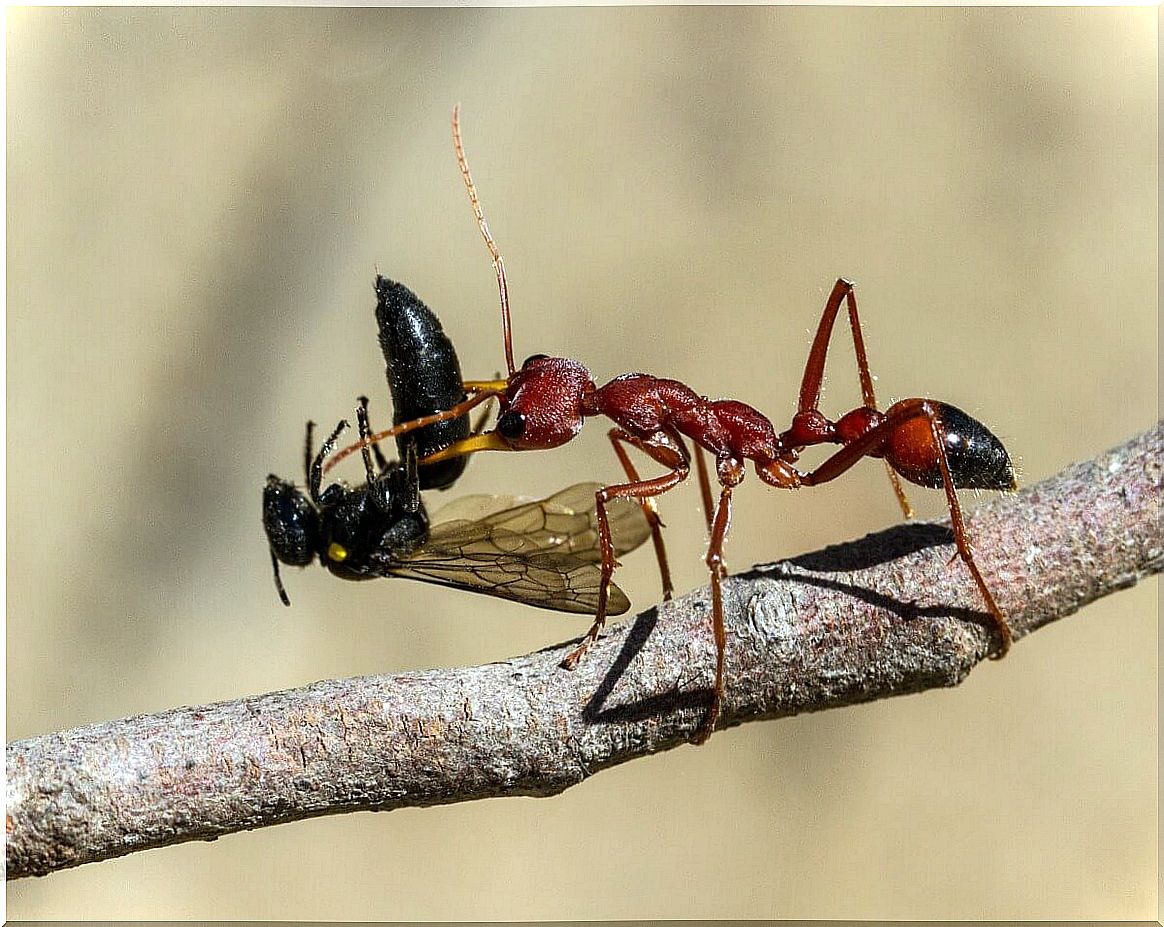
{"x":902,"y":413}
{"x":810,"y":387}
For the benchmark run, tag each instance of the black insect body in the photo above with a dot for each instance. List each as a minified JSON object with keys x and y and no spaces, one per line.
{"x":341,"y":525}
{"x":344,"y":525}
{"x":543,"y":553}
{"x":424,"y":376}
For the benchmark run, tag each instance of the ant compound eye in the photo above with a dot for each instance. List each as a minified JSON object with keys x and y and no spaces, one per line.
{"x":532,"y":358}
{"x":511,"y":425}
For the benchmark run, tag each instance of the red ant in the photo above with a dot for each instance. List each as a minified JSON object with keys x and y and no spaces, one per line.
{"x":545,"y":402}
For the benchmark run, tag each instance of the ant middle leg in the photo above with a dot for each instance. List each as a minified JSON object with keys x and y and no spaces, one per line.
{"x":705,"y":498}
{"x":618,"y":437}
{"x":717,"y":571}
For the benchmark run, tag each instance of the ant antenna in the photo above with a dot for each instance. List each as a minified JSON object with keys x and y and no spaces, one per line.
{"x":482,"y":393}
{"x":498,"y":264}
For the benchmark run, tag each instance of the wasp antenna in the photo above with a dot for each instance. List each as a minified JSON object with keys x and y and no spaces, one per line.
{"x":278,"y":580}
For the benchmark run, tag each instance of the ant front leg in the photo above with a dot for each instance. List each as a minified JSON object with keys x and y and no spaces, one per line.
{"x":900,"y":415}
{"x":618,"y":437}
{"x":808,"y":418}
{"x":467,"y":446}
{"x":663,"y":447}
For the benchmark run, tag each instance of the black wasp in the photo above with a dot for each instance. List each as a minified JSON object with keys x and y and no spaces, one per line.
{"x":544,"y":552}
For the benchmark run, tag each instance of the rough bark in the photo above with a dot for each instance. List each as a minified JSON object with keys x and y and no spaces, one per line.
{"x":874,"y":618}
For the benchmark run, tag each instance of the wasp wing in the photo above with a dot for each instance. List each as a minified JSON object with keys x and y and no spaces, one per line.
{"x":477,"y":507}
{"x":544,"y":552}
{"x":566,"y":521}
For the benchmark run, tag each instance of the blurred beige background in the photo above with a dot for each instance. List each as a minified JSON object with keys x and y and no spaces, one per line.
{"x":197,"y":200}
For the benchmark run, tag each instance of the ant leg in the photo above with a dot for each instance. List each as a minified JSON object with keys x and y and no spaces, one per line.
{"x":715,"y":566}
{"x":705,"y":496}
{"x":810,"y":386}
{"x":641,"y":489}
{"x":906,"y":411}
{"x":453,"y":450}
{"x":704,"y":486}
{"x":662,"y":448}
{"x":650,"y":509}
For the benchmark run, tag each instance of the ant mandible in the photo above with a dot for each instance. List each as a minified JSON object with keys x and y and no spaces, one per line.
{"x":543,"y":405}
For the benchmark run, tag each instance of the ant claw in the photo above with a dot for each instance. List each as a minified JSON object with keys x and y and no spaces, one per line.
{"x":1007,"y":639}
{"x":575,"y":656}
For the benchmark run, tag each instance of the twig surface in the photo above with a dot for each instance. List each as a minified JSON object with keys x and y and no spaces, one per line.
{"x":878,"y":617}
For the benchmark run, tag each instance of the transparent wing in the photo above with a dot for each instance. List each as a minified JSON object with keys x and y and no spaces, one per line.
{"x":544,"y":552}
{"x":477,"y":507}
{"x":565,"y":521}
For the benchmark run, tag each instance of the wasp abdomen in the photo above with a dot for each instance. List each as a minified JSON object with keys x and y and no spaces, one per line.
{"x":424,"y":377}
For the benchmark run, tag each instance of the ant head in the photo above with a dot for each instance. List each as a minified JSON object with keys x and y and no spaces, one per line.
{"x":544,"y":403}
{"x":976,"y":457}
{"x":291,"y":522}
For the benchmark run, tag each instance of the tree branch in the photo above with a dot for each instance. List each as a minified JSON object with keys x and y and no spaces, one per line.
{"x":878,"y":617}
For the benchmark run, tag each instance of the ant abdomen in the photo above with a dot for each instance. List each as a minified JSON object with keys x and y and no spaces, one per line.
{"x":976,"y":457}
{"x":424,"y":376}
